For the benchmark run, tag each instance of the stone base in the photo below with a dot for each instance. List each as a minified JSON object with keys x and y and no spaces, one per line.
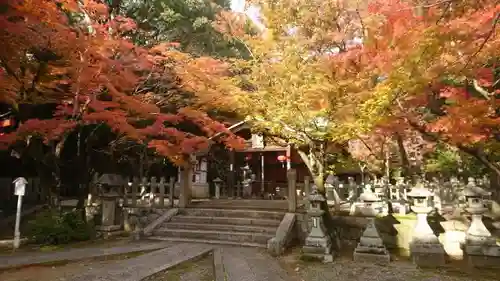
{"x":428,"y":254}
{"x":317,"y":253}
{"x":482,"y":261}
{"x":108,"y":231}
{"x":382,"y":259}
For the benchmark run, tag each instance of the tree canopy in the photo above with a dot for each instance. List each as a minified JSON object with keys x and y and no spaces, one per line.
{"x":75,"y":56}
{"x":337,"y":71}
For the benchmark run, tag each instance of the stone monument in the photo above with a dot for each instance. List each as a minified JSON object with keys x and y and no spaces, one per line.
{"x":425,"y":247}
{"x":480,"y":246}
{"x":318,"y":244}
{"x":371,"y":247}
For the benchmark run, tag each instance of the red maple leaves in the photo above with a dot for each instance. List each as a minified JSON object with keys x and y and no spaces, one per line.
{"x":75,"y":56}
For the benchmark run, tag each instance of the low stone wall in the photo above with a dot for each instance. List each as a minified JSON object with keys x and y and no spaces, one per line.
{"x":139,"y":218}
{"x":397,"y":231}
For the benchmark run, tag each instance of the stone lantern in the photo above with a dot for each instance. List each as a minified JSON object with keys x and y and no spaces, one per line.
{"x":111,"y":186}
{"x":425,"y":247}
{"x":480,"y":246}
{"x":369,"y":202}
{"x":218,"y":187}
{"x":371,"y":247}
{"x":318,"y":243}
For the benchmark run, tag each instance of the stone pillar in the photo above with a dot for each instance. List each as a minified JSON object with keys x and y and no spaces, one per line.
{"x":292,"y":193}
{"x":161,"y":195}
{"x":307,"y":191}
{"x":218,"y":185}
{"x":186,"y":182}
{"x":425,"y":248}
{"x":318,"y":244}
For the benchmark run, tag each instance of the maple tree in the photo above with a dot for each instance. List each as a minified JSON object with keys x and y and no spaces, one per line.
{"x":440,"y":71}
{"x":74,"y":57}
{"x":287,"y":88}
{"x":430,"y":68}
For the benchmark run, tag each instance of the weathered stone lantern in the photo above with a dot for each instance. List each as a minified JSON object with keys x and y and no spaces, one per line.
{"x":480,"y":245}
{"x":425,"y":247}
{"x":371,"y":247}
{"x":111,"y":187}
{"x":218,"y":187}
{"x":369,"y":202}
{"x":318,"y":243}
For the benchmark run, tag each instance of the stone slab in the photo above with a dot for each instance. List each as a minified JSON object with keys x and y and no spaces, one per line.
{"x":23,"y":259}
{"x":248,"y":264}
{"x":167,"y":216}
{"x":423,"y":259}
{"x":482,"y":261}
{"x":382,"y":259}
{"x":136,"y":269}
{"x":219,"y":271}
{"x":284,"y":234}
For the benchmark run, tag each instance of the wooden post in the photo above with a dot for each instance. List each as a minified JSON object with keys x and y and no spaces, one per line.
{"x":161,"y":195}
{"x":307,"y":191}
{"x":292,"y":190}
{"x":185,"y":185}
{"x":171,"y":190}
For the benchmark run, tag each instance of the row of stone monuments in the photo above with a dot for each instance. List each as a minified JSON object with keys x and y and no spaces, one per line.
{"x":426,"y":250}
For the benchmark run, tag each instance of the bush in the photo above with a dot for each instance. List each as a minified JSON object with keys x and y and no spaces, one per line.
{"x":53,"y":228}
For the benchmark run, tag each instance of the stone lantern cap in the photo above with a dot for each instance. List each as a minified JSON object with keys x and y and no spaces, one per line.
{"x":315,"y":196}
{"x":475,"y":191}
{"x":368,"y":197}
{"x":420,"y":192}
{"x":111,"y":180}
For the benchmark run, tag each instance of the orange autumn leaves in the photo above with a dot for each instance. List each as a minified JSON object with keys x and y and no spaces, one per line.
{"x":75,"y":55}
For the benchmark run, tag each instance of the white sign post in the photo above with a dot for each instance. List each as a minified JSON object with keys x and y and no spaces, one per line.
{"x":19,"y":191}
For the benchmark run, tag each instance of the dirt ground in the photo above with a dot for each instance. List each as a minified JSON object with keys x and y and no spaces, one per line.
{"x":345,"y":269}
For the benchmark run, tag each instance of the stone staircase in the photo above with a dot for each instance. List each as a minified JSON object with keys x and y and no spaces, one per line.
{"x":221,"y":226}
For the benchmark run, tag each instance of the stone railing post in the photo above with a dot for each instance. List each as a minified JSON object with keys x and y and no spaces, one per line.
{"x":186,"y":185}
{"x":161,"y":195}
{"x":307,"y":191}
{"x":292,"y":193}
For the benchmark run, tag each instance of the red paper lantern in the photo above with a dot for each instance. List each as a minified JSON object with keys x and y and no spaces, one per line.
{"x":248,"y":157}
{"x":281,"y":158}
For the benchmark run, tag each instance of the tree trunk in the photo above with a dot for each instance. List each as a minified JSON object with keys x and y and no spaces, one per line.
{"x":405,"y":163}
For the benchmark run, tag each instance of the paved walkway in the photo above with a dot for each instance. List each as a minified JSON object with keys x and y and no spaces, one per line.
{"x":239,"y":263}
{"x":23,"y":259}
{"x":135,"y":269}
{"x":250,"y":264}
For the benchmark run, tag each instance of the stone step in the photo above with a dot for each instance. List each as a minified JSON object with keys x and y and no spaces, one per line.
{"x":232,"y":213}
{"x":205,"y":241}
{"x":260,"y":238}
{"x":221,"y":227}
{"x":226,"y":220}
